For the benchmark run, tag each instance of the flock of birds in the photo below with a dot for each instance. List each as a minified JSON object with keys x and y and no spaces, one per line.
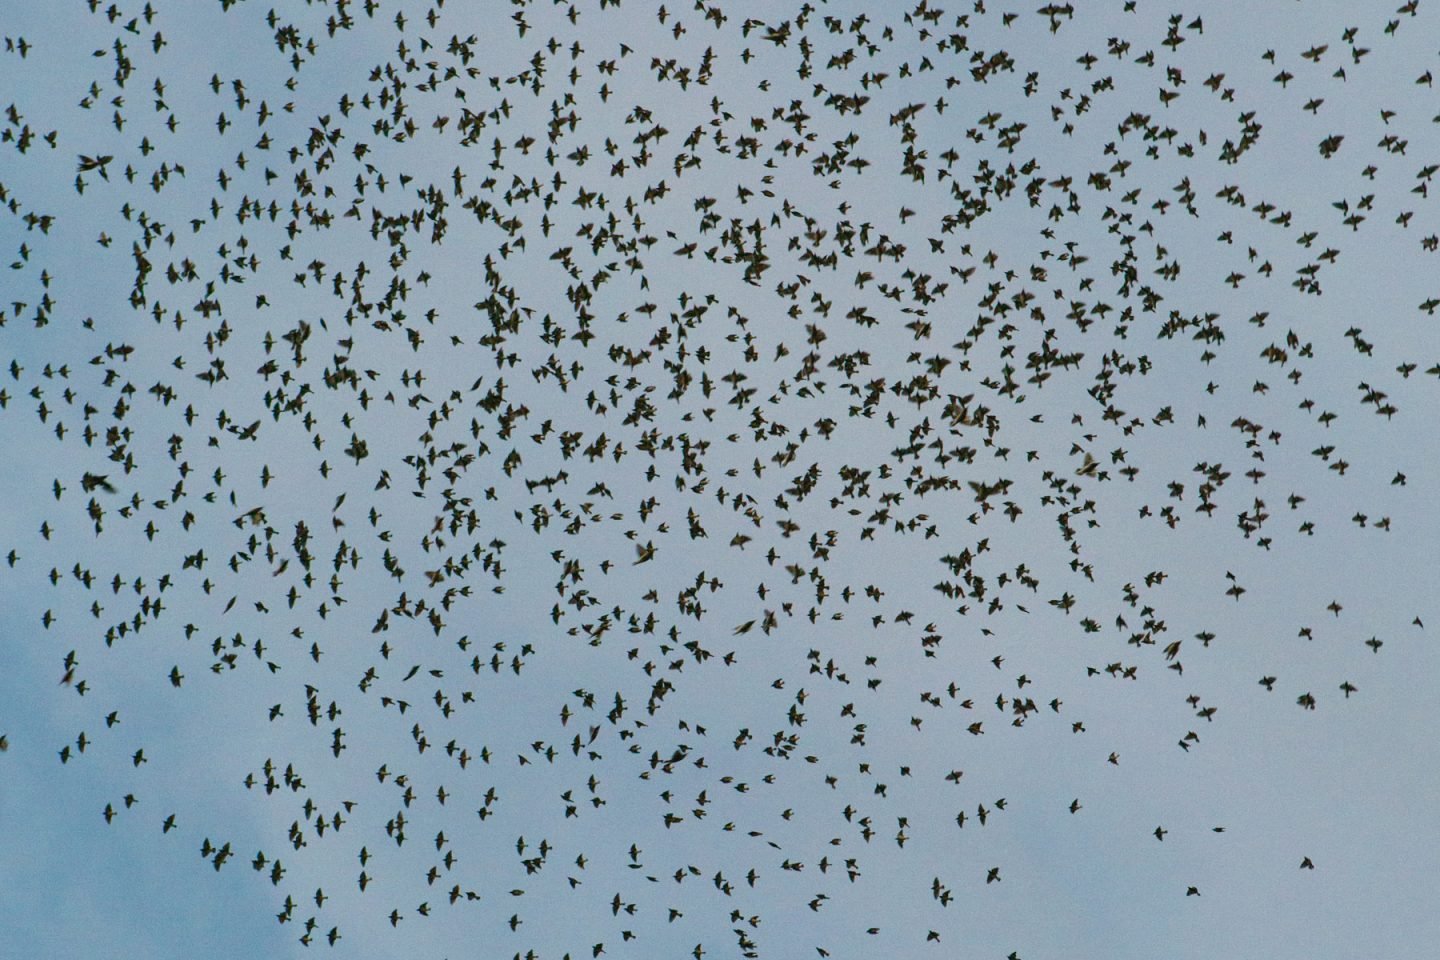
{"x":717,"y":449}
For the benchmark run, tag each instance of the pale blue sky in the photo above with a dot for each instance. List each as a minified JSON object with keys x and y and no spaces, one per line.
{"x":359,"y":424}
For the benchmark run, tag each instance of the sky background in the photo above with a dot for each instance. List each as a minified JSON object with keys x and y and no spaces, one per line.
{"x":630,"y":382}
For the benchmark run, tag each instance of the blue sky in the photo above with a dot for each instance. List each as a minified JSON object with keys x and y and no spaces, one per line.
{"x":638,"y":458}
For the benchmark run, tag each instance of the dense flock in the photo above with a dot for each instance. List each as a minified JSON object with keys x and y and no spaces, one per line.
{"x":737,"y":480}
